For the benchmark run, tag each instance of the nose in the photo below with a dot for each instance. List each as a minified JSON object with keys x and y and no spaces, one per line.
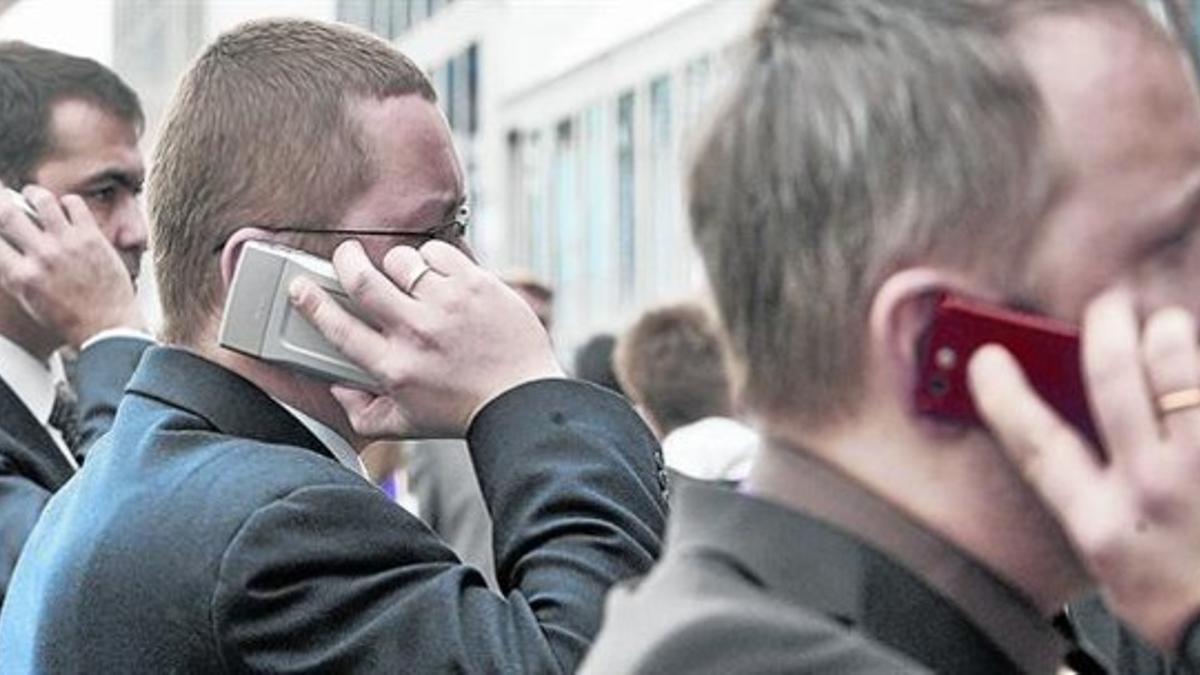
{"x":130,"y":232}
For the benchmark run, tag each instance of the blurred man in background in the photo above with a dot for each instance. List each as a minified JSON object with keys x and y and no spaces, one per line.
{"x":224,"y":524}
{"x":672,"y":363}
{"x":69,"y":130}
{"x":594,"y":362}
{"x":873,"y":156}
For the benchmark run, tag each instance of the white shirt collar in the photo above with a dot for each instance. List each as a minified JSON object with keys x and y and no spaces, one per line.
{"x":30,"y":379}
{"x":341,"y":449}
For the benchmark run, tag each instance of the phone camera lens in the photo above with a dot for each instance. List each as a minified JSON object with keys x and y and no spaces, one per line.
{"x":938,"y":386}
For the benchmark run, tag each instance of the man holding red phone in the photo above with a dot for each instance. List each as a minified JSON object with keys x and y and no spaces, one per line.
{"x":873,"y":156}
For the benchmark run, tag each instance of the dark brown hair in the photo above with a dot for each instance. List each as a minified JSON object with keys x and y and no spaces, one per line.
{"x":32,"y":81}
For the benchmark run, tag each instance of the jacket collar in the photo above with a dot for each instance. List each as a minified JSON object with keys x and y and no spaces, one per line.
{"x":227,"y":401}
{"x":817,"y":565}
{"x":31,"y":447}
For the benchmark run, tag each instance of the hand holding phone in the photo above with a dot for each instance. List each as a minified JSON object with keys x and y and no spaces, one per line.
{"x":1133,"y":515}
{"x":1046,"y":349}
{"x":56,"y":261}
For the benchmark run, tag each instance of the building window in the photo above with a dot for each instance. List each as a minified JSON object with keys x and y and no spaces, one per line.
{"x":388,"y":18}
{"x":626,"y":226}
{"x":600,"y":234}
{"x":665,"y":232}
{"x":567,"y":246}
{"x":457,"y":85}
{"x":356,"y":12}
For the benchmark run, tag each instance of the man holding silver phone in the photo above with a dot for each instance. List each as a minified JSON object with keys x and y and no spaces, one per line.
{"x":70,"y":246}
{"x":223,"y":524}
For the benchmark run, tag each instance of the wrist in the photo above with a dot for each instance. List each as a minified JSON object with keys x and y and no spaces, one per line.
{"x":550,"y":373}
{"x":84,"y":335}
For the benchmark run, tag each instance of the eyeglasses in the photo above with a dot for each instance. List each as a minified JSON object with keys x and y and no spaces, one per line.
{"x":451,"y":232}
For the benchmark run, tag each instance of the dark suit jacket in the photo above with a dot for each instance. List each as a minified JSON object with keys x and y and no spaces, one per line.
{"x":210,"y":532}
{"x":32,"y":467}
{"x":746,"y":586}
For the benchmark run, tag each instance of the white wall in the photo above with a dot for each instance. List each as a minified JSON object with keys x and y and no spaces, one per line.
{"x":87,"y":31}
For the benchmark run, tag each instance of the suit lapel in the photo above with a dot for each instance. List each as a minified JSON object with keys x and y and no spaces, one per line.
{"x":227,"y":401}
{"x":26,"y":442}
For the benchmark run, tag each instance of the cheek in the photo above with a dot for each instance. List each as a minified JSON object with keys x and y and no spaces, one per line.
{"x":1173,"y":283}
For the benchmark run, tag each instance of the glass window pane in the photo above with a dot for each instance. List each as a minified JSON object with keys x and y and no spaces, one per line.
{"x":472,"y":78}
{"x":356,"y":12}
{"x":625,"y":193}
{"x":418,"y":11}
{"x":381,"y":18}
{"x":400,"y":16}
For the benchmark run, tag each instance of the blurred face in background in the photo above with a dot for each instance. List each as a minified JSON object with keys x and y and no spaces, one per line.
{"x":94,"y":154}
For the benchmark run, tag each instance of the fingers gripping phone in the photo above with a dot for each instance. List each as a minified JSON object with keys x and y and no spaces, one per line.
{"x":260,"y":321}
{"x":22,"y":203}
{"x":1048,"y":351}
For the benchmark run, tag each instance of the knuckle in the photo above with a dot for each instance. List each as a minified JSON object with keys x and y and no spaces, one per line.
{"x":25,"y":279}
{"x":1109,"y":366}
{"x":1103,"y":549}
{"x":357,"y":283}
{"x":394,"y":373}
{"x":424,"y":332}
{"x":1168,"y":336}
{"x":1156,"y":499}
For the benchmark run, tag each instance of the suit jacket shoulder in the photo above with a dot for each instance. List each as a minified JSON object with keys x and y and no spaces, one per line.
{"x":255,"y":550}
{"x":700,"y":616}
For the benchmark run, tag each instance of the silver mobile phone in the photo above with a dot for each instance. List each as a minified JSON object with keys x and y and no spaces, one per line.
{"x":260,"y":321}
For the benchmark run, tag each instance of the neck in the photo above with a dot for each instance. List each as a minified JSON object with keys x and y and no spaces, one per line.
{"x":955,"y":485}
{"x":307,"y":394}
{"x":18,"y":326}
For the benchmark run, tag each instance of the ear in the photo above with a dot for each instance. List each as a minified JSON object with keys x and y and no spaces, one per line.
{"x":233,"y":250}
{"x":900,"y":314}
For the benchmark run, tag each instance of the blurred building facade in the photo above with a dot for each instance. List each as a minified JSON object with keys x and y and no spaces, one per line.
{"x":572,"y":119}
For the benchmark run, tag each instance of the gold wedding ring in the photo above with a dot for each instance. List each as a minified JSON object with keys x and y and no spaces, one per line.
{"x":416,"y":278}
{"x":1179,"y":400}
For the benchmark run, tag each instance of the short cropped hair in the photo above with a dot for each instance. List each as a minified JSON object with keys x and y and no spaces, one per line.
{"x":671,"y":362}
{"x":32,"y":81}
{"x":260,"y":132}
{"x":861,"y":136}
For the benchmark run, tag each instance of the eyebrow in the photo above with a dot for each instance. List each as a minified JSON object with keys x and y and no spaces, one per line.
{"x":129,"y":179}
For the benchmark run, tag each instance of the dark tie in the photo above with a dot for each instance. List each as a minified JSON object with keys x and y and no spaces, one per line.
{"x":64,"y":416}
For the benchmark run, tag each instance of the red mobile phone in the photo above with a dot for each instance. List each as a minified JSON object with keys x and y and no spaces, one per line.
{"x":1047,"y":349}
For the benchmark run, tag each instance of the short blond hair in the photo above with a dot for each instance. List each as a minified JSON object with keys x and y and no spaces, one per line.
{"x":259,"y":133}
{"x":861,"y":136}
